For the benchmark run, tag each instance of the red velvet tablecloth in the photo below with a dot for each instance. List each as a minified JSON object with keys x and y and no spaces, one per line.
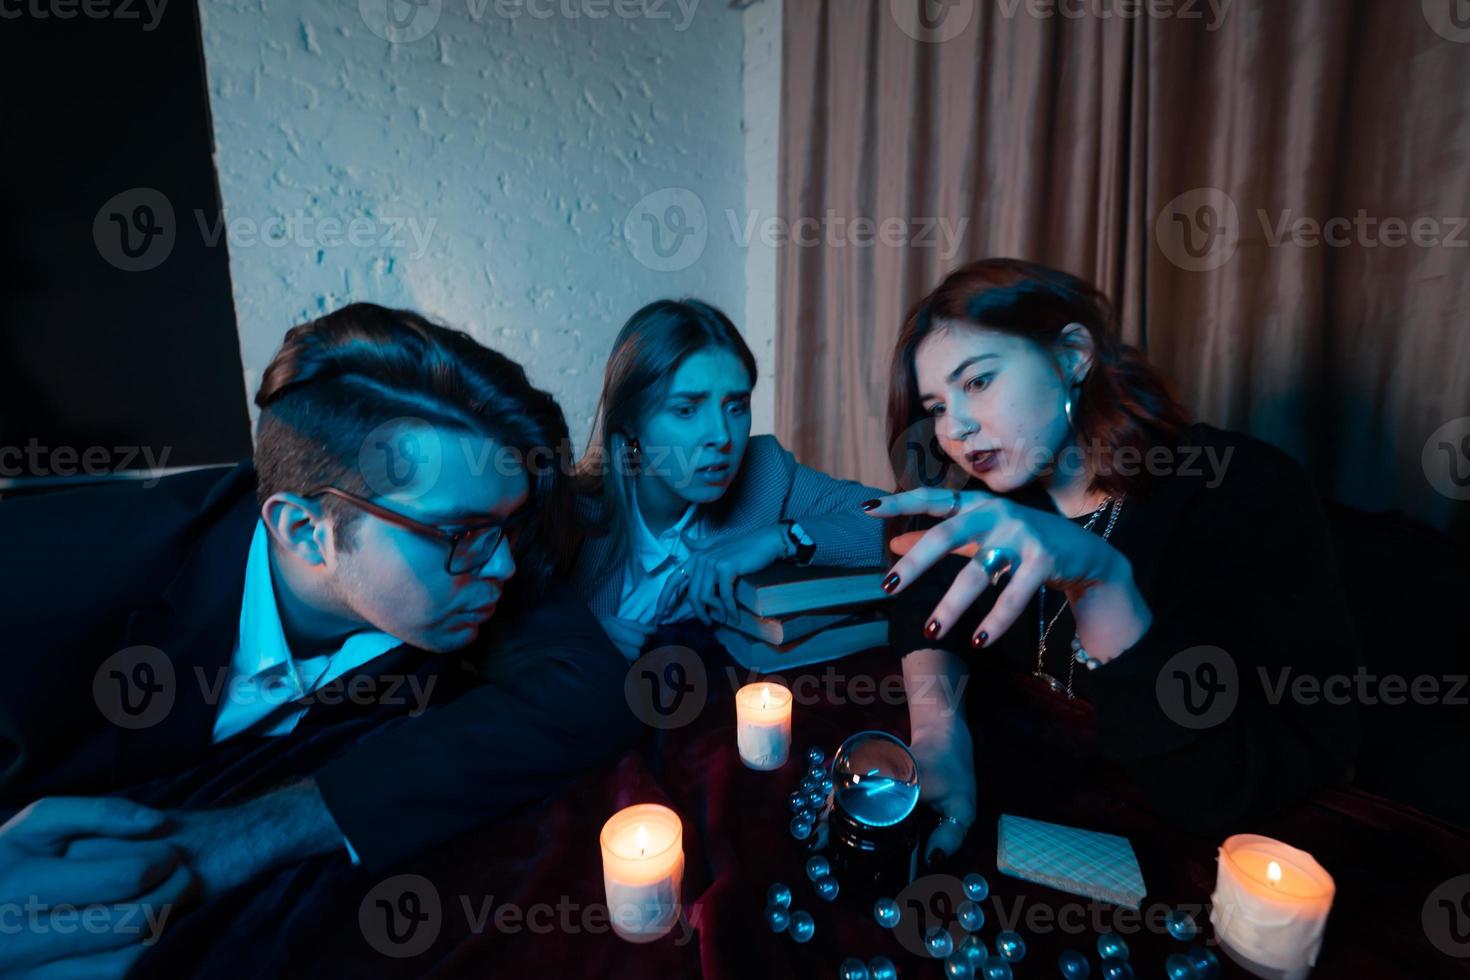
{"x":523,"y":897}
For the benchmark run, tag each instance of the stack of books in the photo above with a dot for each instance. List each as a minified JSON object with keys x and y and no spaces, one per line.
{"x":791,"y":616}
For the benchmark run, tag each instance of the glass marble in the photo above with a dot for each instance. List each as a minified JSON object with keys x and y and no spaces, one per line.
{"x":808,"y":784}
{"x":977,"y":889}
{"x":997,"y":969}
{"x":802,"y":926}
{"x":1206,"y":964}
{"x":1116,"y":969}
{"x":1181,"y":925}
{"x":971,"y":916}
{"x":1111,"y":946}
{"x":777,"y":918}
{"x":797,"y":801}
{"x":779,"y":895}
{"x":973,"y":948}
{"x":816,"y":774}
{"x":939,"y":942}
{"x":826,"y":887}
{"x":1178,"y":967}
{"x":815,"y":756}
{"x":882,"y":968}
{"x":801,"y":826}
{"x":816,"y":799}
{"x":816,"y":867}
{"x":1010,"y":947}
{"x":853,"y":968}
{"x":959,"y":967}
{"x":1074,"y":965}
{"x":887,"y":912}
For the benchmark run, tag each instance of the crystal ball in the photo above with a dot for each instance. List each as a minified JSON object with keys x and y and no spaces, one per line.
{"x":875,"y":779}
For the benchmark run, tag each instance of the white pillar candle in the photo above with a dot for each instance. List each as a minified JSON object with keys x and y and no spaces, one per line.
{"x":763,"y":725}
{"x":643,"y":870}
{"x":1270,"y":906}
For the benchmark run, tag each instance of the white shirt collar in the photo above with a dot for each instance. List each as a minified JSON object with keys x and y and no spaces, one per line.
{"x":654,"y":551}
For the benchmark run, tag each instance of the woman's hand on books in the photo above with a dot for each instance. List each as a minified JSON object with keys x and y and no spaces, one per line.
{"x":628,"y":635}
{"x":708,"y":576}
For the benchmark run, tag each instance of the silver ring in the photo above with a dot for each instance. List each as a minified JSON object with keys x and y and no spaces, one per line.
{"x":953,"y":820}
{"x":998,"y":562}
{"x":954,"y":508}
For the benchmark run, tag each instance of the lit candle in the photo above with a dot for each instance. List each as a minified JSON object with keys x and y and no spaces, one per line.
{"x":1270,"y":906}
{"x":763,"y":725}
{"x":642,"y":870}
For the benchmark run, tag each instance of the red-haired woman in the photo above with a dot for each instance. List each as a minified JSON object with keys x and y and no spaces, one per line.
{"x":1170,"y":575}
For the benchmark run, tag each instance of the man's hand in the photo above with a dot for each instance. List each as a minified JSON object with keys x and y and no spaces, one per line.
{"x":228,"y":847}
{"x":74,"y":909}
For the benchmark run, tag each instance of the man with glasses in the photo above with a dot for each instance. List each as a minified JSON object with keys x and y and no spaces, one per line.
{"x":345,"y":632}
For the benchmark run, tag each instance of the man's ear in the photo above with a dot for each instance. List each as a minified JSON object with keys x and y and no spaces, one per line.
{"x":299,"y":525}
{"x":1075,"y":353}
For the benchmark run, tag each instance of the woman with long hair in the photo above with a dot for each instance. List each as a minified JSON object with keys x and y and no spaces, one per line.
{"x":678,"y":499}
{"x":1074,"y":527}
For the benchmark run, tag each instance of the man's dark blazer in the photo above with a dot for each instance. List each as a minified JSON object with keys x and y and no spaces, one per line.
{"x":96,"y":570}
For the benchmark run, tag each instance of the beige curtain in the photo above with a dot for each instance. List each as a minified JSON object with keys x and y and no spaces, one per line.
{"x":1182,"y":161}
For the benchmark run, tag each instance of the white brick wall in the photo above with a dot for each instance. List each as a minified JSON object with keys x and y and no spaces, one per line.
{"x":485,"y":169}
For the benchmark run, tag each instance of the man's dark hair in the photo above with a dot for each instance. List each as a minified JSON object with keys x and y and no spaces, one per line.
{"x":340,"y":376}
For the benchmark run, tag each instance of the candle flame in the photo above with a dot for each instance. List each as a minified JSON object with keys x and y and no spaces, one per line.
{"x":1273,"y":873}
{"x":641,"y":839}
{"x":765,"y":697}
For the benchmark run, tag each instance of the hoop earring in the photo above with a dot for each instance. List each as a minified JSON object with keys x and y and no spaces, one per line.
{"x":1067,"y":407}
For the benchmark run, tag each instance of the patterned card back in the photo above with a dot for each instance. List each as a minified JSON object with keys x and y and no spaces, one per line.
{"x":1083,"y":862}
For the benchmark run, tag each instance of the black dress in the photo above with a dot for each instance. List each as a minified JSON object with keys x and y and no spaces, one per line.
{"x":1231,"y":551}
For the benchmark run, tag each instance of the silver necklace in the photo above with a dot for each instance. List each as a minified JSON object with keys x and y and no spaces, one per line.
{"x":1044,"y":628}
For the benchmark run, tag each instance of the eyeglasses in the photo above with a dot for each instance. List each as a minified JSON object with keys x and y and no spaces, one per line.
{"x":470,"y":547}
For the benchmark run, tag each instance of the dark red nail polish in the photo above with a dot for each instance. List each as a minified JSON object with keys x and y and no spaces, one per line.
{"x":932,"y":629}
{"x":980,"y":638}
{"x":890,"y":583}
{"x":870,"y":504}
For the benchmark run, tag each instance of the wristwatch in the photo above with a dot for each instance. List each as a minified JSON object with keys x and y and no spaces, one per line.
{"x":803,"y":548}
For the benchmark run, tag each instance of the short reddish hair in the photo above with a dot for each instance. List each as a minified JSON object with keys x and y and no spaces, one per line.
{"x":1123,"y":402}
